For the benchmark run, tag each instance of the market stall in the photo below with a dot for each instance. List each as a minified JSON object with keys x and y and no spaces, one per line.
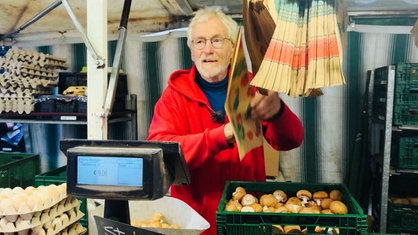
{"x":378,"y":34}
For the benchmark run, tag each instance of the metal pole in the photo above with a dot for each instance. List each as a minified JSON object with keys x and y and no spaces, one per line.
{"x":100,"y":62}
{"x":112,"y":86}
{"x":32,"y":20}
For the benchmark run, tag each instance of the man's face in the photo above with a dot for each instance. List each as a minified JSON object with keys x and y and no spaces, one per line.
{"x":212,"y":63}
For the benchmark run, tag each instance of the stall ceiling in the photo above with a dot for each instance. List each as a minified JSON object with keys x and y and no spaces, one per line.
{"x":145,"y":16}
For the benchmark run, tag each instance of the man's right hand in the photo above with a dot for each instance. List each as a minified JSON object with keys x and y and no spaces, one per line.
{"x":229,"y":133}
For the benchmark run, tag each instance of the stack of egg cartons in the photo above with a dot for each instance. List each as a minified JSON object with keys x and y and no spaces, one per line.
{"x":42,"y":210}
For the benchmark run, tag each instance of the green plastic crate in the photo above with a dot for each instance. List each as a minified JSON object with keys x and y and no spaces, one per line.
{"x":253,"y":223}
{"x":59,"y":176}
{"x":402,"y":218}
{"x":18,"y":169}
{"x":405,"y":115}
{"x":405,"y":152}
{"x":406,"y":94}
{"x":407,"y":73}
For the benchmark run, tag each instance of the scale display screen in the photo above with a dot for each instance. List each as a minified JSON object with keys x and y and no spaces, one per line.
{"x":114,"y":172}
{"x":110,"y":171}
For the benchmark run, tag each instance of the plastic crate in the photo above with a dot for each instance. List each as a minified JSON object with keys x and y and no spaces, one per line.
{"x":45,"y":106}
{"x":405,"y":115}
{"x":254,"y":223}
{"x":59,"y":176}
{"x":405,"y":152}
{"x":65,"y":106}
{"x":18,"y":169}
{"x":407,"y":73}
{"x":402,"y":218}
{"x":406,"y":94}
{"x":67,"y":79}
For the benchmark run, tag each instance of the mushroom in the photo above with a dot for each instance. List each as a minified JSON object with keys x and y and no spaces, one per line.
{"x":233,"y":205}
{"x":338,"y":207}
{"x":294,"y":205}
{"x":257,"y":207}
{"x":247,"y":209}
{"x":238,"y":193}
{"x":292,"y":229}
{"x":248,"y":199}
{"x":404,"y":201}
{"x":304,"y":195}
{"x":336,"y":195}
{"x":294,"y":201}
{"x":282,"y":209}
{"x":252,"y":208}
{"x":311,"y":204}
{"x":413,"y":201}
{"x":333,"y":230}
{"x":268,"y":200}
{"x":268,"y":209}
{"x":326,"y":211}
{"x":277,"y":229}
{"x":319,"y":229}
{"x":319,"y":195}
{"x":325,"y":203}
{"x":280,"y":195}
{"x":310,"y":210}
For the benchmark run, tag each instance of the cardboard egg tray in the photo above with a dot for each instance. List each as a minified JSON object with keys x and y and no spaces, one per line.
{"x":36,"y":59}
{"x":12,"y":81}
{"x":26,"y":74}
{"x":43,"y":210}
{"x":17,"y":104}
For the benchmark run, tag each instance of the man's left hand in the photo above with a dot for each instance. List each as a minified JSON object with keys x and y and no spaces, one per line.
{"x":264,"y":107}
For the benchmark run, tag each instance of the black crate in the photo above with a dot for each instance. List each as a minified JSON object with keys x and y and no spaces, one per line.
{"x":380,"y":90}
{"x":65,"y":105}
{"x":45,"y":106}
{"x":81,"y":106}
{"x":261,"y":223}
{"x":67,"y":79}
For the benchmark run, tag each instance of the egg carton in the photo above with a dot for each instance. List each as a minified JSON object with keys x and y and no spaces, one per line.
{"x":24,"y":69}
{"x":10,"y":78}
{"x":36,"y":58}
{"x":49,"y":221}
{"x":18,"y":201}
{"x":22,"y":91}
{"x":75,"y":229}
{"x":16,"y":104}
{"x":33,"y":85}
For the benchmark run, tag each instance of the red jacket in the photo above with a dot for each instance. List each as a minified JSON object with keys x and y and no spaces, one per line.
{"x":183,"y":114}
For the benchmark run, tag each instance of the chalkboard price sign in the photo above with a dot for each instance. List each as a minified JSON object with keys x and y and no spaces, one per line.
{"x":111,"y":227}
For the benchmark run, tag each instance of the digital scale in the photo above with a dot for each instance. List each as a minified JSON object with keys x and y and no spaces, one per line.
{"x":122,"y":170}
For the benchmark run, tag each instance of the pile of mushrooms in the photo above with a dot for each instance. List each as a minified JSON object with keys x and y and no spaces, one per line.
{"x":319,"y":202}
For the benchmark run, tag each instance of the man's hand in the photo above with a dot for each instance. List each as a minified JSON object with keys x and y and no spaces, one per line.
{"x":264,"y":107}
{"x":229,"y":133}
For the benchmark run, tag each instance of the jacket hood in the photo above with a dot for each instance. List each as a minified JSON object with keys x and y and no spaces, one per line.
{"x":183,"y":81}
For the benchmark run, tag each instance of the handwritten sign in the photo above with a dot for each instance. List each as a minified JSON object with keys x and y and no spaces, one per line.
{"x":111,"y":227}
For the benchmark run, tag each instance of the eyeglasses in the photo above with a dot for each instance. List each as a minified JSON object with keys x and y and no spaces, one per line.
{"x":216,"y":42}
